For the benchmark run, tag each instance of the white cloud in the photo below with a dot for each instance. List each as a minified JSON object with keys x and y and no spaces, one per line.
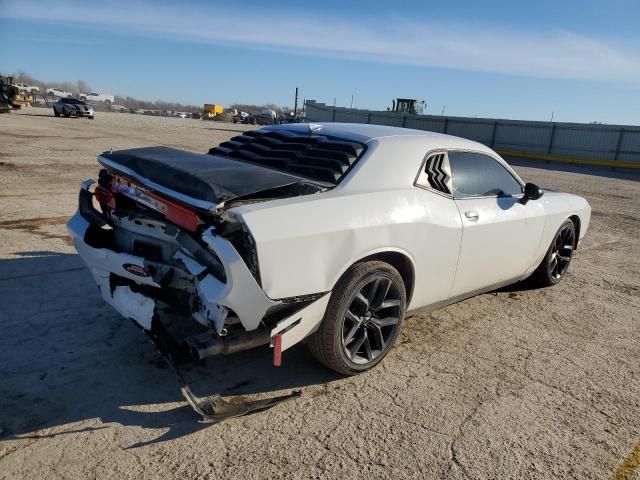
{"x":408,"y":41}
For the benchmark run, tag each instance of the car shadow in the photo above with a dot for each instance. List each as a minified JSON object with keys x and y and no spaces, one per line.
{"x":521,"y":286}
{"x":39,"y":114}
{"x":67,"y":357}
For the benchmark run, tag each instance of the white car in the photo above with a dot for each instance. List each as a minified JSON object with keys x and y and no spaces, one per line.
{"x":58,"y":93}
{"x":333,"y":233}
{"x":25,"y":87}
{"x":98,"y":97}
{"x":72,"y":107}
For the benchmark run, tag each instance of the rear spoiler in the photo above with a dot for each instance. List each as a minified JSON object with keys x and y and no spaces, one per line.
{"x":186,"y":199}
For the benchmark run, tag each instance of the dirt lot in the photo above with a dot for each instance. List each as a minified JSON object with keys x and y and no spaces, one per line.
{"x":513,"y":384}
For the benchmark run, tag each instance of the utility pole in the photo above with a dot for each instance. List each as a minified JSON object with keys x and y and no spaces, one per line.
{"x":295,"y":104}
{"x":552,"y":116}
{"x":351,"y":101}
{"x":443,"y":107}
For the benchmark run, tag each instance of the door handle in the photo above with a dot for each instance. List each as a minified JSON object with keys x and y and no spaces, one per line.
{"x":471,"y":215}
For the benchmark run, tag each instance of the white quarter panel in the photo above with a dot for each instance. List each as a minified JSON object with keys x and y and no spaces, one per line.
{"x":499,"y":244}
{"x":305,"y":244}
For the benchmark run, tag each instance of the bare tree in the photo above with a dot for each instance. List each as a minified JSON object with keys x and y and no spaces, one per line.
{"x":83,"y":87}
{"x":23,"y":77}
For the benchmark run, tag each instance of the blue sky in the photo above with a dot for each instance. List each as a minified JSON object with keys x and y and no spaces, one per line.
{"x":508,"y":59}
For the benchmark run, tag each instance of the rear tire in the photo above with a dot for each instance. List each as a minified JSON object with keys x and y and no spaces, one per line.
{"x":363,"y":319}
{"x":556,"y":261}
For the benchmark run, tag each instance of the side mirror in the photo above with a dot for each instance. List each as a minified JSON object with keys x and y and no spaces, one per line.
{"x":531,"y":192}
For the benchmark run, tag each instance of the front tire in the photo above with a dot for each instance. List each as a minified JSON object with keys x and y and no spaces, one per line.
{"x":556,"y":262}
{"x":56,"y":113}
{"x":363,"y":319}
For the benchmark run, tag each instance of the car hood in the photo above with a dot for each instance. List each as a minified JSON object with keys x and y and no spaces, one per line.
{"x":78,"y":108}
{"x":203,"y":177}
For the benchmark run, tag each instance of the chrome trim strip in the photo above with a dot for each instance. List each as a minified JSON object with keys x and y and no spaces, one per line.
{"x":194,"y":202}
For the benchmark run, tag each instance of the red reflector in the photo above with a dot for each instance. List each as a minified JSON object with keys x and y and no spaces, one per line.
{"x":105,"y":197}
{"x":181,"y":215}
{"x":277,"y":350}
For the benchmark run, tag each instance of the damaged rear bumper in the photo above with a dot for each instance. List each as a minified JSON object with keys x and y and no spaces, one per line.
{"x":213,"y":299}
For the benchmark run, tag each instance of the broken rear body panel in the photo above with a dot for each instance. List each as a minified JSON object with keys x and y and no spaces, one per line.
{"x":164,"y":247}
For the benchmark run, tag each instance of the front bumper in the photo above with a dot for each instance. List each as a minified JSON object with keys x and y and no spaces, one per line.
{"x":79,"y":113}
{"x":240,"y":293}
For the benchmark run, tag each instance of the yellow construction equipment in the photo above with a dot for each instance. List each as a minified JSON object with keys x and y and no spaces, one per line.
{"x":210,"y":111}
{"x":10,"y":95}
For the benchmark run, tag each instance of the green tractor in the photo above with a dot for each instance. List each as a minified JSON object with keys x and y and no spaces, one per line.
{"x":408,"y":105}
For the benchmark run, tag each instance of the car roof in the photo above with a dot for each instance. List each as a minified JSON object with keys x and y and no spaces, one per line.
{"x":395,"y":152}
{"x":366,"y":133}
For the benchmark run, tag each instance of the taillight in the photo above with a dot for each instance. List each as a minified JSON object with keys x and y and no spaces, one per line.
{"x":105,"y":197}
{"x":173,"y":211}
{"x":181,"y":215}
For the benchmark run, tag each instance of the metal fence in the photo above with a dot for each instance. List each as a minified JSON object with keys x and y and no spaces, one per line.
{"x":610,"y":145}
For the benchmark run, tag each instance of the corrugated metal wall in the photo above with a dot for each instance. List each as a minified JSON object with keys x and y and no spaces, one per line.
{"x":588,"y":141}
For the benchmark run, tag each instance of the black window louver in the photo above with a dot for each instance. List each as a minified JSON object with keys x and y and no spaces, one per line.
{"x":317,"y":157}
{"x":437,"y":173}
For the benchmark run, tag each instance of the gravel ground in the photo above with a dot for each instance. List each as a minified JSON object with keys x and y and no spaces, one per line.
{"x":517,"y":383}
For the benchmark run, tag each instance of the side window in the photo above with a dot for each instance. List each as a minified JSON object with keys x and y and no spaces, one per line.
{"x":478,"y":175}
{"x":436,"y":173}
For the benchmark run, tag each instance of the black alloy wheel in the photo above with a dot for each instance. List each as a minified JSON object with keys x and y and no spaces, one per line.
{"x":371,"y":320}
{"x":363,"y":318}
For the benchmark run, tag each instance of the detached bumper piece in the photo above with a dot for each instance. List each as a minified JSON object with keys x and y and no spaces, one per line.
{"x":214,"y":409}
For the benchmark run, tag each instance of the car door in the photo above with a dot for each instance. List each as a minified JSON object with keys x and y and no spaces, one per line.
{"x":500,"y":234}
{"x":438,"y":233}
